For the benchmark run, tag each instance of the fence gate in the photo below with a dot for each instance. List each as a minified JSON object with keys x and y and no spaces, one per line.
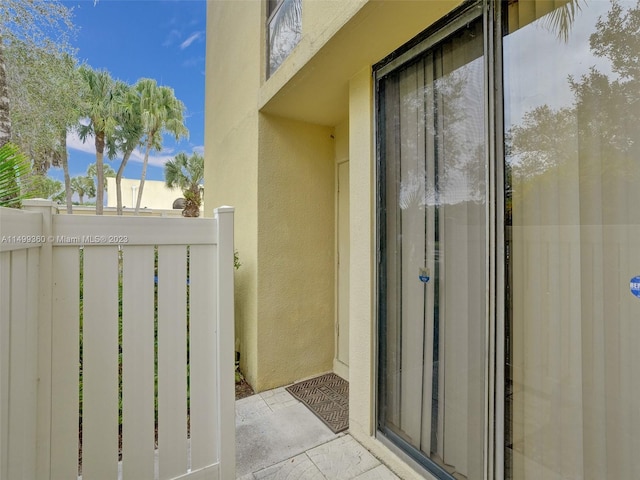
{"x":134,"y":341}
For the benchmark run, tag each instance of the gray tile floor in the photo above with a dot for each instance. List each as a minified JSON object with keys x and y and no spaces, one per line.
{"x":278,"y":438}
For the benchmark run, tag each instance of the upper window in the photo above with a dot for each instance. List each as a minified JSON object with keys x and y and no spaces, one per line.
{"x":284,"y":25}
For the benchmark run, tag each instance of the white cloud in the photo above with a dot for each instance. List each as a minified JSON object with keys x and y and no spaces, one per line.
{"x":193,"y":62}
{"x":173,"y":37}
{"x":74,"y":143}
{"x":155,"y":160}
{"x":192,"y":38}
{"x":158,"y":160}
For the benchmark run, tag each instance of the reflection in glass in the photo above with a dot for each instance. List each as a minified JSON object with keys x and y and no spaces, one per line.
{"x":285,"y":30}
{"x":572,"y":130}
{"x":432,"y":353}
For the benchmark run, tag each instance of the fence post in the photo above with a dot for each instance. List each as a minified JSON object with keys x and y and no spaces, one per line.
{"x":45,"y":288}
{"x":226,"y":346}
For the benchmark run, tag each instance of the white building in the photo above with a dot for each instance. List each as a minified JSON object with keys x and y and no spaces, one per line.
{"x":156,"y":195}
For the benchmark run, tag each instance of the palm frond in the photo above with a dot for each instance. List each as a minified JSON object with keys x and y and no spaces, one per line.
{"x":561,"y":19}
{"x":13,"y":167}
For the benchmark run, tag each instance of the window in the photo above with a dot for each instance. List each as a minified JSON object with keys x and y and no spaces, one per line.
{"x":284,"y":28}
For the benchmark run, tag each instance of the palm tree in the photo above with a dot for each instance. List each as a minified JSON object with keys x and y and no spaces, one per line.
{"x":186,"y":173}
{"x":128,"y":136}
{"x":83,"y":185}
{"x":99,"y":105}
{"x":92,"y":173}
{"x":160,"y":112}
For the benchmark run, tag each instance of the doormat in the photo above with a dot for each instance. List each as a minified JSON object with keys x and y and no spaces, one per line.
{"x":327,"y":396}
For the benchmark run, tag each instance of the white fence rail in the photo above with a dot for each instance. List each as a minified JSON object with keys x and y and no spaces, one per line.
{"x":116,"y":347}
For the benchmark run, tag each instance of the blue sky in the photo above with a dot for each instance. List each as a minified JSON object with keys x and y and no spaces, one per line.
{"x":132,"y":39}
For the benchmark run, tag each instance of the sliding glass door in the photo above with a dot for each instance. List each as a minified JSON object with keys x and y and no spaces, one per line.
{"x":552,"y":110}
{"x":433,"y":252}
{"x":572,"y":131}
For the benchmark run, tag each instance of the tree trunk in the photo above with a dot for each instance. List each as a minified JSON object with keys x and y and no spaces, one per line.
{"x":99,"y":172}
{"x":65,"y":168}
{"x":144,"y":172}
{"x":125,"y":159}
{"x":192,"y":202}
{"x":5,"y":119}
{"x":191,"y":209}
{"x":67,"y":185}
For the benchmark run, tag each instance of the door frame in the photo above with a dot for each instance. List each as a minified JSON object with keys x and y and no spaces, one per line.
{"x":339,"y":366}
{"x":492,"y":19}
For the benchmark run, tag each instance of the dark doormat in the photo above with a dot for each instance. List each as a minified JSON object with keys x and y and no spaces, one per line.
{"x":327,"y":396}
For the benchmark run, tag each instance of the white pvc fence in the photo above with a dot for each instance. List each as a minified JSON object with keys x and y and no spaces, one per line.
{"x":121,"y":301}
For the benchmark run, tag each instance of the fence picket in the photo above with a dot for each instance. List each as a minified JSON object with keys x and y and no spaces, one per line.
{"x":100,"y":364}
{"x":64,"y":363}
{"x":204,"y":405}
{"x":17,"y":336}
{"x":22,"y":366}
{"x":225,"y":343}
{"x":5,"y":345}
{"x":137,"y":363}
{"x":19,"y":260}
{"x":30,"y":403}
{"x":172,"y":355}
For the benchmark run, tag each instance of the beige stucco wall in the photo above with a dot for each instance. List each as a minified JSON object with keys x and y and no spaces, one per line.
{"x":295,"y":251}
{"x":279,"y":174}
{"x":155,"y":194}
{"x":233,"y":72}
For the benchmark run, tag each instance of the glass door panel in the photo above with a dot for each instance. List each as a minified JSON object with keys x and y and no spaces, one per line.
{"x":572,"y":130}
{"x":433,"y":250}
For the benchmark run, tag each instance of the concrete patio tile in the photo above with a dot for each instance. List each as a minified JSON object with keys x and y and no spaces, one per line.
{"x":297,"y":468}
{"x":251,"y":407}
{"x":266,"y":440}
{"x":342,"y":459}
{"x":278,"y":398}
{"x":278,"y":438}
{"x":379,"y":473}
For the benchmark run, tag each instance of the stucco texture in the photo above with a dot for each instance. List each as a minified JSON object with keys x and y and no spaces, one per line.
{"x":295,"y":251}
{"x":231,"y":148}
